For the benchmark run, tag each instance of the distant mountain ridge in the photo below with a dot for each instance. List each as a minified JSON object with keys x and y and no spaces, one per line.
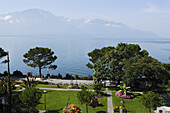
{"x":38,"y":21}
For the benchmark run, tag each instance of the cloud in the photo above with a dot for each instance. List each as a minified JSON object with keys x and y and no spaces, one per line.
{"x":6,"y":17}
{"x":88,"y":21}
{"x":112,"y":25}
{"x":153,"y":9}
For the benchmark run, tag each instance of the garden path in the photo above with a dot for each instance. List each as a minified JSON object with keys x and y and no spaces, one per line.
{"x":109,"y":101}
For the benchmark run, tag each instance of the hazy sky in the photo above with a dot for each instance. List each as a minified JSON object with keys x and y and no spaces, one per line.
{"x":147,"y":15}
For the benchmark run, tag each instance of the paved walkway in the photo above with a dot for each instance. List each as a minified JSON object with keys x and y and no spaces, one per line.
{"x":42,"y":111}
{"x":109,"y":101}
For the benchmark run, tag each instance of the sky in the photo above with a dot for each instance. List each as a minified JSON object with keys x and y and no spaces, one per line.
{"x":146,"y":15}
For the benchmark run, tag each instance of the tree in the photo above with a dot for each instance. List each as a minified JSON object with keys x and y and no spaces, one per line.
{"x":97,"y":87}
{"x":146,"y":69}
{"x":30,"y":96}
{"x":123,"y":88}
{"x":85,"y":96}
{"x":150,"y":100}
{"x":17,"y":73}
{"x":109,"y":61}
{"x":40,"y":57}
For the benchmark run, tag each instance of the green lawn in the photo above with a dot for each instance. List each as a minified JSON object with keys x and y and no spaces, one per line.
{"x":15,"y":90}
{"x":132,"y":105}
{"x":62,"y":86}
{"x":52,"y":86}
{"x":57,"y":100}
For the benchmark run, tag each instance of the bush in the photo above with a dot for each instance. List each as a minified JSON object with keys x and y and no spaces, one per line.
{"x":122,"y":95}
{"x":117,"y":109}
{"x":54,"y":76}
{"x":17,"y":73}
{"x":69,"y":76}
{"x":76,"y":76}
{"x":30,"y":96}
{"x":90,"y":77}
{"x":60,"y":76}
{"x":41,"y":82}
{"x":84,"y":78}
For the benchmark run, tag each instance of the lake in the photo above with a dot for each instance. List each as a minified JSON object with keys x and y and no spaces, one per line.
{"x":72,"y":51}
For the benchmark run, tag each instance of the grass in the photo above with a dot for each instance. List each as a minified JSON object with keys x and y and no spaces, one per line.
{"x":57,"y":100}
{"x":132,"y":105}
{"x":52,"y":86}
{"x":15,"y":90}
{"x":62,"y":86}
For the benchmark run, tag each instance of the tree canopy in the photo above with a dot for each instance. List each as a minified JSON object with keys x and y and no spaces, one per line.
{"x":40,"y":57}
{"x":147,"y":70}
{"x":109,"y":61}
{"x":150,"y":100}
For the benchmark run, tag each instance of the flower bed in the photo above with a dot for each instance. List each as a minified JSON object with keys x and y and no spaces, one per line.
{"x":117,"y":109}
{"x":72,"y":109}
{"x":122,"y":95}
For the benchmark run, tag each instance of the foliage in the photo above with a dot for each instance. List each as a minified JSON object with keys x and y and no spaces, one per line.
{"x":19,"y":107}
{"x":145,"y":70}
{"x":30,"y":96}
{"x":3,"y":54}
{"x":69,"y":76}
{"x":123,"y":88}
{"x":85,"y":96}
{"x":72,"y":108}
{"x":59,"y":76}
{"x":28,"y":83}
{"x":97,"y":87}
{"x":17,"y":73}
{"x":117,"y":109}
{"x":22,"y":108}
{"x":108,"y":62}
{"x":3,"y":87}
{"x":76,"y":76}
{"x":40,"y":57}
{"x":122,"y":95}
{"x":150,"y":100}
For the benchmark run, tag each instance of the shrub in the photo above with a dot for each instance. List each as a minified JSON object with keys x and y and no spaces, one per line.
{"x":117,"y":109}
{"x":41,"y":82}
{"x":30,"y":96}
{"x":60,"y":76}
{"x":76,"y":76}
{"x":17,"y":73}
{"x":122,"y":95}
{"x":54,"y":76}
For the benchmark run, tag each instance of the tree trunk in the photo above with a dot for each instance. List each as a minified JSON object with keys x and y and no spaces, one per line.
{"x":86,"y":108}
{"x":40,"y":71}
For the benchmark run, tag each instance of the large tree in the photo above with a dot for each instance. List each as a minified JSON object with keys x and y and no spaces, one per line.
{"x":40,"y":57}
{"x":145,"y":69}
{"x":109,"y":61}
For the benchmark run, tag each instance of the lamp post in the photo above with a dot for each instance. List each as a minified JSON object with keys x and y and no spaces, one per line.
{"x":45,"y":98}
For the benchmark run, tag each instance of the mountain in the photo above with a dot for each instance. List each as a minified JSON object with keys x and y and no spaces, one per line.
{"x":40,"y":22}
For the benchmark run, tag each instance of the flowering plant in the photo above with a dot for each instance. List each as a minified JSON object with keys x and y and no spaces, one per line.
{"x":117,"y":109}
{"x":72,"y":108}
{"x":123,"y":95}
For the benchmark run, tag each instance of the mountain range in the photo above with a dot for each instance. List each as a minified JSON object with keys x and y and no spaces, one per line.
{"x":40,"y":22}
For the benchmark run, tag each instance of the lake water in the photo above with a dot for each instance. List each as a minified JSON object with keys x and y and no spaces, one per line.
{"x":72,"y":51}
